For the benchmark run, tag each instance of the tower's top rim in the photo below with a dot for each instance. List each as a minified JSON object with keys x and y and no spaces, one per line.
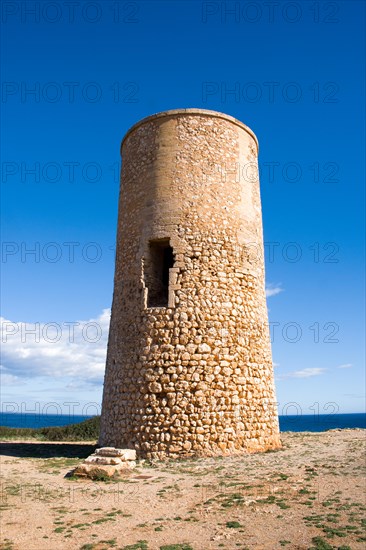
{"x":192,"y":111}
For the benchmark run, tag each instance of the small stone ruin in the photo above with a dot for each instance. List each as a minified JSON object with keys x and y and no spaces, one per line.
{"x":108,"y":461}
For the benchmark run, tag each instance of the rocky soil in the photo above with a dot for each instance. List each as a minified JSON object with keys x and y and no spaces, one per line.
{"x":308,"y":495}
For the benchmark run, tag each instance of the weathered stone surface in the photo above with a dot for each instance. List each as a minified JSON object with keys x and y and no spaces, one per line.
{"x":189,"y":366}
{"x":93,"y":459}
{"x":90,"y":470}
{"x":93,"y":468}
{"x":122,"y":454}
{"x":107,"y":451}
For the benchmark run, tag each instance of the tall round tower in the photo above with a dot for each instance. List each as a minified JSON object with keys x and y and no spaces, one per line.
{"x":189,"y":367}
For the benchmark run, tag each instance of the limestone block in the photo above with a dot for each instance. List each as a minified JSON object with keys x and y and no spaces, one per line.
{"x":123,"y":454}
{"x":105,"y":460}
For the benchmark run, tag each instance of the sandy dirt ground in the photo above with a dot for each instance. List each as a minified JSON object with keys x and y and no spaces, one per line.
{"x":308,"y":495}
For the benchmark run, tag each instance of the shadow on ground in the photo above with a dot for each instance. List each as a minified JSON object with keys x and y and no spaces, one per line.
{"x":47,"y":450}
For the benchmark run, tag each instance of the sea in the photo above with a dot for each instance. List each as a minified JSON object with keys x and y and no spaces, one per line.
{"x":289,"y":423}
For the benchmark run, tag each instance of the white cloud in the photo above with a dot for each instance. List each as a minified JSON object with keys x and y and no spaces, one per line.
{"x":345,"y":366}
{"x":73,"y":350}
{"x":304,"y":373}
{"x":9,"y":379}
{"x":273,"y":289}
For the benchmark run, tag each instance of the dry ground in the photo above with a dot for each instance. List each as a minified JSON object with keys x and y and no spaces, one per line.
{"x":308,"y":495}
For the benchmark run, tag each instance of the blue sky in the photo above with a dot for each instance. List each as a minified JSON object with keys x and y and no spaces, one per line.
{"x":72,"y":85}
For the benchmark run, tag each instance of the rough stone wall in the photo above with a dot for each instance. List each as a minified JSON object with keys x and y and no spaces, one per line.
{"x":194,"y":377}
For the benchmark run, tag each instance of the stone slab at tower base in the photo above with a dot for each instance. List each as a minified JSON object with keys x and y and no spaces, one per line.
{"x":107,"y":461}
{"x":189,"y":367}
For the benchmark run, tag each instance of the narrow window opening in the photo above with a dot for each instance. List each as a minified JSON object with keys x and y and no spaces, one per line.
{"x":160,"y":261}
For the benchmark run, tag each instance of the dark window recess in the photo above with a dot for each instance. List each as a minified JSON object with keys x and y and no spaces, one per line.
{"x":161,"y":259}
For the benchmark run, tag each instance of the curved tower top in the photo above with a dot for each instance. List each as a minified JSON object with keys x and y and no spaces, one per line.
{"x":191,"y":111}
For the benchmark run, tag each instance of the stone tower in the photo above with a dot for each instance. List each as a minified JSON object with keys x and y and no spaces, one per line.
{"x":189,"y":367}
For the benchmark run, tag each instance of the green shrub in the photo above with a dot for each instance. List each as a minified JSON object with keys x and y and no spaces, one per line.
{"x":88,"y":430}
